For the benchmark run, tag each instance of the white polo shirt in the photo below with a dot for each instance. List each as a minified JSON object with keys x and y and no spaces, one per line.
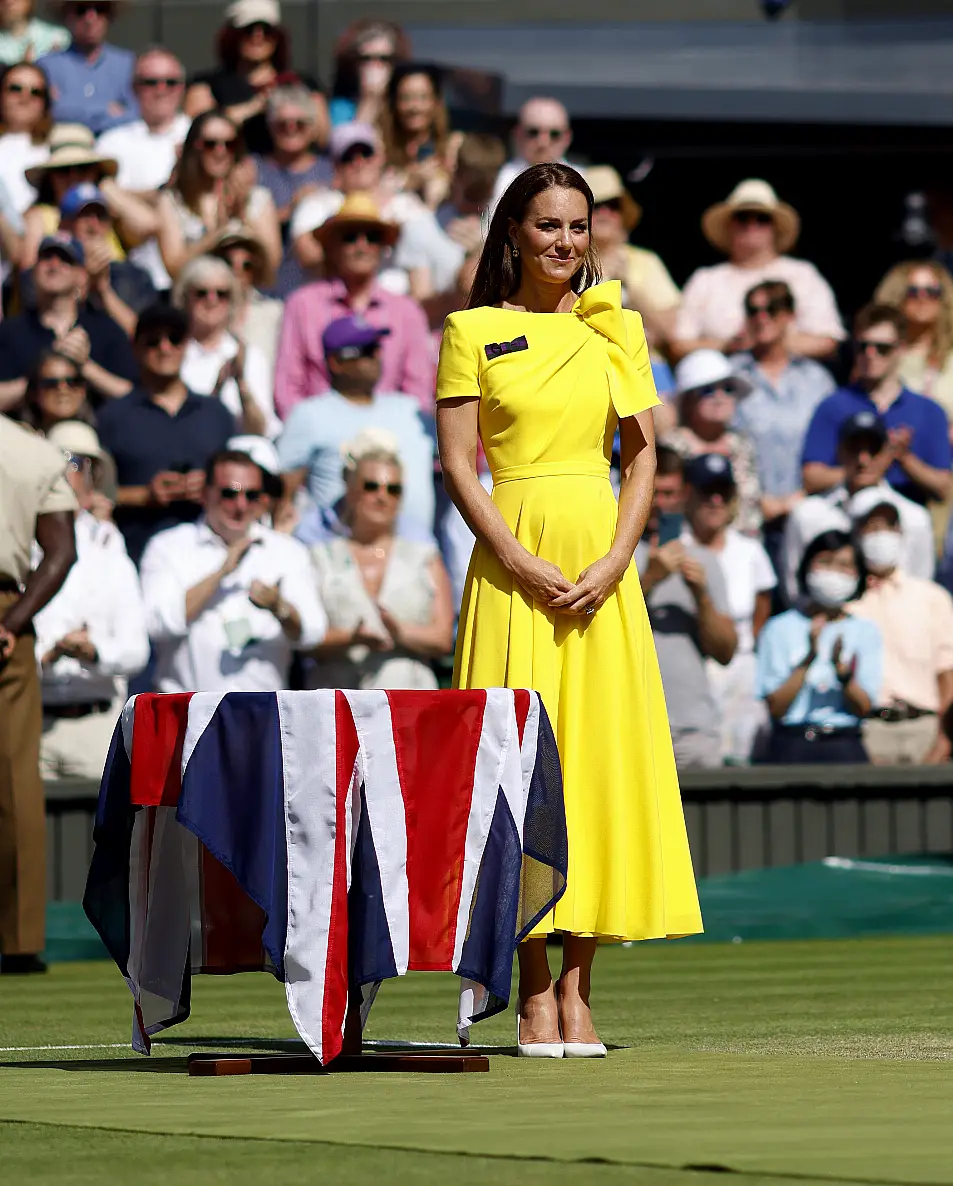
{"x":232,"y":646}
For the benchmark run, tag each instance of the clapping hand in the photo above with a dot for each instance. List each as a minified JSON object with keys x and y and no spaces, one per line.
{"x":365,"y":637}
{"x":818,"y":622}
{"x":74,"y":345}
{"x":77,"y":645}
{"x":900,"y":440}
{"x":167,"y":486}
{"x":844,"y":667}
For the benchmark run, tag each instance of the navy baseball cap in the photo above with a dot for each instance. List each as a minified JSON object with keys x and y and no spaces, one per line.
{"x":351,"y":334}
{"x":63,"y":244}
{"x":708,"y":470}
{"x":863,"y":424}
{"x":78,"y":197}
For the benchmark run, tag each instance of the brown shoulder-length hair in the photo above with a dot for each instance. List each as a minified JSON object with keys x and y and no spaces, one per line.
{"x":892,"y":290}
{"x":189,"y":174}
{"x":393,"y":134}
{"x":498,"y":272}
{"x":41,"y":132}
{"x":30,"y":409}
{"x":347,"y":50}
{"x":229,"y":40}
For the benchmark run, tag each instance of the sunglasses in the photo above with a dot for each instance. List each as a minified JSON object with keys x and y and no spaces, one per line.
{"x":207,"y":145}
{"x":551,"y":134}
{"x":19,"y":88}
{"x":386,"y":58}
{"x":772,"y":308}
{"x":203,"y":294}
{"x":862,"y":345}
{"x":258,"y":27}
{"x":155,"y":84}
{"x":394,"y":489}
{"x":369,"y":234}
{"x":231,"y":493}
{"x":711,"y":389}
{"x":51,"y":383}
{"x":357,"y":152}
{"x":725,"y":492}
{"x":931,"y":292}
{"x":290,"y":125}
{"x":175,"y":337}
{"x":350,"y":353}
{"x":73,"y":170}
{"x":55,"y":253}
{"x":243,"y":265}
{"x":609,"y":204}
{"x":78,"y":8}
{"x":752,"y":217}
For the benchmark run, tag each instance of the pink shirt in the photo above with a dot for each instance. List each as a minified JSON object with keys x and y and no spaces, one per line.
{"x":406,"y":356}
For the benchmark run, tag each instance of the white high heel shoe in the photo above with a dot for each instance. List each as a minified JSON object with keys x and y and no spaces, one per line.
{"x":584,"y":1050}
{"x":535,"y":1049}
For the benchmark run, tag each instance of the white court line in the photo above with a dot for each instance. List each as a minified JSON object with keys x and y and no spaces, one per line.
{"x":277,"y":1042}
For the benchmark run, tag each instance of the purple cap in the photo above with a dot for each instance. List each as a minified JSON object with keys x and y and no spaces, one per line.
{"x":64,"y":244}
{"x":351,"y":333}
{"x":345,"y":136}
{"x":78,"y":197}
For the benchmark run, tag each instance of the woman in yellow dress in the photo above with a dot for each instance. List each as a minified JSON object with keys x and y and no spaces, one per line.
{"x":541,"y":366}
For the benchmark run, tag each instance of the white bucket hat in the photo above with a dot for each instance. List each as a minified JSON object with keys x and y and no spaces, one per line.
{"x":756,"y":195}
{"x":702,"y":368}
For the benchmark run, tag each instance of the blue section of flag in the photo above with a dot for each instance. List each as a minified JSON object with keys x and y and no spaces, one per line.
{"x":545,"y":840}
{"x":233,"y":801}
{"x":370,"y":948}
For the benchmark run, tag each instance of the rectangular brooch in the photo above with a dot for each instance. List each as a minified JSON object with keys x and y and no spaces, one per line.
{"x":496,"y":349}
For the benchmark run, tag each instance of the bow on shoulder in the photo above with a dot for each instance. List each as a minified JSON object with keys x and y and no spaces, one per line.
{"x":600,"y":307}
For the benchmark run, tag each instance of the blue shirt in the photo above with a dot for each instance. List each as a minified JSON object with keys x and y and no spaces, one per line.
{"x":783,"y":643}
{"x":775,"y":416}
{"x":931,"y":433}
{"x":83,"y":90}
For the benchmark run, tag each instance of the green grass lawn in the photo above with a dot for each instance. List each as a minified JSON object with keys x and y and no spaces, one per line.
{"x":825,"y":1060}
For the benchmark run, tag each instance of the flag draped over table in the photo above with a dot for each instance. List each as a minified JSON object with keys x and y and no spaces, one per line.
{"x":333,"y":838}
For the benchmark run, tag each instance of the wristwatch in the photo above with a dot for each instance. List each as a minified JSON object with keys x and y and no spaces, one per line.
{"x":283,"y":611}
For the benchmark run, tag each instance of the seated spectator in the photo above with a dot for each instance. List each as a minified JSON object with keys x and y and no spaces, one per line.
{"x":147,"y":149}
{"x":161,"y":435}
{"x":254,"y":52}
{"x":755,"y":230}
{"x":646,"y":283}
{"x":86,"y":335}
{"x":353,"y":242}
{"x":542,"y":134}
{"x":25,"y":124}
{"x":119,"y":288}
{"x":418,"y":144}
{"x":387,"y":598}
{"x":214,"y":187}
{"x":256,"y":318}
{"x":23,"y":37}
{"x":316,"y":430}
{"x":424,"y":260}
{"x":819,"y":669}
{"x":91,"y":80}
{"x":707,"y":392}
{"x":479,"y":160}
{"x":364,"y":57}
{"x":919,"y":453}
{"x":92,"y":635}
{"x":215,"y":362}
{"x":864,"y":456}
{"x":915,"y":618}
{"x":785,"y":390}
{"x":688,"y":608}
{"x":292,"y":170}
{"x":55,"y":392}
{"x":228,"y":600}
{"x":749,"y":580}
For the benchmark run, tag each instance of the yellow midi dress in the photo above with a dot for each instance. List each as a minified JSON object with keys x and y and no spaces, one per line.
{"x":551,"y":388}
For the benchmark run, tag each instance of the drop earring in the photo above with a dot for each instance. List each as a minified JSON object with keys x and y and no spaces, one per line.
{"x":515,"y":250}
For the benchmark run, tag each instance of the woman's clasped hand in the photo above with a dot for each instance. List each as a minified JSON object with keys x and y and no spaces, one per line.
{"x":546,"y":583}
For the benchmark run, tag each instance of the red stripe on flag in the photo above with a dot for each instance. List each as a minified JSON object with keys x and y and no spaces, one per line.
{"x":436,"y":736}
{"x":336,"y":970}
{"x":158,"y":735}
{"x":521,"y":705}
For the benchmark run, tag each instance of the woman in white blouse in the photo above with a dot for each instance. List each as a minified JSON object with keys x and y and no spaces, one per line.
{"x":216,"y":362}
{"x":387,"y":598}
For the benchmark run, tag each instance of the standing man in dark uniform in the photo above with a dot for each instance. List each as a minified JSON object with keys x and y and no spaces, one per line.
{"x":36,"y":502}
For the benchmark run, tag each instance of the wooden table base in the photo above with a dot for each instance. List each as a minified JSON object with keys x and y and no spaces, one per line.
{"x":428,"y":1063}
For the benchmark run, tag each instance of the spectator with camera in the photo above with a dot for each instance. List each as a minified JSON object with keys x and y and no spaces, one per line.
{"x":228,"y":600}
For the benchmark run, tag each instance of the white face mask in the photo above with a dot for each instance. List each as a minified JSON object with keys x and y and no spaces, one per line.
{"x":830,"y":589}
{"x":881,"y":549}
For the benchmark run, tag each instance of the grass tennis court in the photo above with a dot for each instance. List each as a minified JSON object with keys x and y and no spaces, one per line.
{"x":779,"y":1061}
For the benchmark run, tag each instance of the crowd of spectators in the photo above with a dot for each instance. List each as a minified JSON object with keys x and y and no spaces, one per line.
{"x":223,"y":298}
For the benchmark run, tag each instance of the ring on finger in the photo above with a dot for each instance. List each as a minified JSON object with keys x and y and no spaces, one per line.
{"x":591,"y":609}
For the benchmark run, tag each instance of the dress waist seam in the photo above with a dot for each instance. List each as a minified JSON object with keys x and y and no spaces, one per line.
{"x":553,"y":469}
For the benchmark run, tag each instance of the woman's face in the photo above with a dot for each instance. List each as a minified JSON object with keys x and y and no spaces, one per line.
{"x":553,"y":237}
{"x":64,"y":179}
{"x":712,"y":405}
{"x":209,"y":304}
{"x":752,"y":232}
{"x":416,"y":104}
{"x":924,"y":297}
{"x":216,"y":147}
{"x":60,"y":391}
{"x":292,"y":129}
{"x":257,"y":43}
{"x":23,"y":98}
{"x":373,"y":493}
{"x":842,"y":560}
{"x":242,"y":263}
{"x":607,"y":224}
{"x":13,"y":11}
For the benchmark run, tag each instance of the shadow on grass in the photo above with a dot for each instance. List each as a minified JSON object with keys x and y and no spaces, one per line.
{"x":149,"y":1066}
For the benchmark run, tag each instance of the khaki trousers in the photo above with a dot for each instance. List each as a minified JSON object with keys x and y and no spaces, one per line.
{"x":22,"y":807}
{"x":899,"y":743}
{"x":77,"y":747}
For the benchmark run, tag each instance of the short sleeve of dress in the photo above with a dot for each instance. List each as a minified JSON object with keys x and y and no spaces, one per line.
{"x":634,"y":391}
{"x":458,"y":373}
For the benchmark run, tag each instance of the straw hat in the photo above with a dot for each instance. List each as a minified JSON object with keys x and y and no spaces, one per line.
{"x":71,"y":144}
{"x":607,"y":186}
{"x":752,"y":194}
{"x":358,"y":209}
{"x":239,"y":234}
